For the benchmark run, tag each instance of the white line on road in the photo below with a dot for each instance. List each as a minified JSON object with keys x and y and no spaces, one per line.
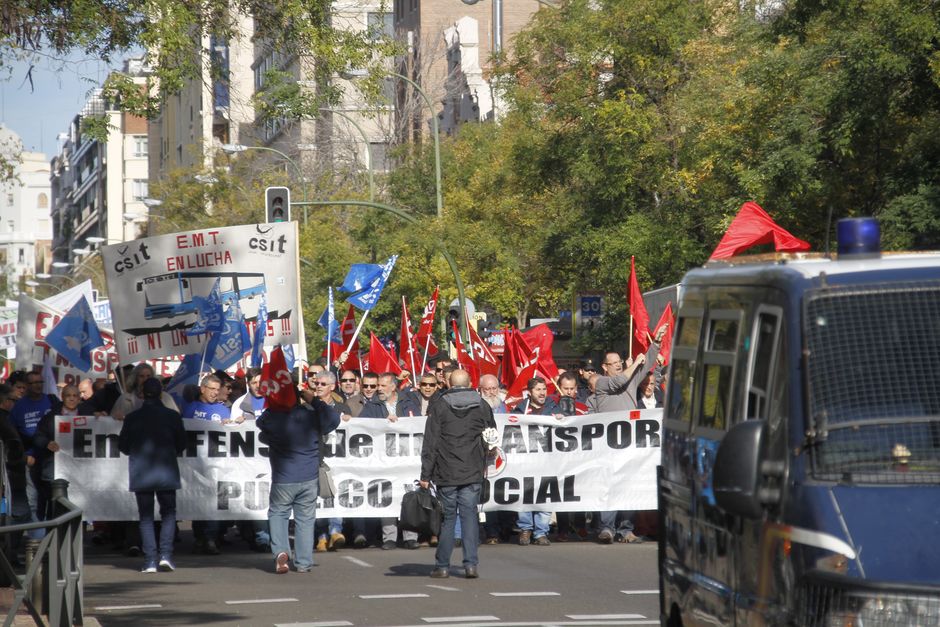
{"x":247,"y":601}
{"x":393,"y":596}
{"x":604,"y":616}
{"x":448,"y":588}
{"x":357,"y":561}
{"x":337,"y":623}
{"x":453,"y":619}
{"x":149,"y":606}
{"x":525,"y":594}
{"x":640,"y":591}
{"x":553,"y":623}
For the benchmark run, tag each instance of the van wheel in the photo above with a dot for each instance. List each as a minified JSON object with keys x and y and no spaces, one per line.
{"x":675,"y":618}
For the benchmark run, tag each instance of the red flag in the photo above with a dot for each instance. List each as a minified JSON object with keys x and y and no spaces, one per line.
{"x":753,"y":226}
{"x":507,"y":373}
{"x":425,"y":334}
{"x":515,"y":392}
{"x":276,"y":383}
{"x":665,"y":346}
{"x":641,"y":319}
{"x":406,"y":342}
{"x":348,"y":329}
{"x":485,"y":360}
{"x":539,"y":339}
{"x":464,"y":360}
{"x":380,"y":360}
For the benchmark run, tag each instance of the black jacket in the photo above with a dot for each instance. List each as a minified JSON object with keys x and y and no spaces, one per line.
{"x":15,"y":453}
{"x":153,"y":437}
{"x":453,"y":452}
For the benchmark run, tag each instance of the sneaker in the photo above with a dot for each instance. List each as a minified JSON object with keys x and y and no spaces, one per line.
{"x":304,"y":569}
{"x":321,"y":545}
{"x":525,"y":537}
{"x":166,"y":565}
{"x":541,"y":541}
{"x":149,"y":567}
{"x":280,"y":563}
{"x":360,"y":542}
{"x":629,"y":538}
{"x":337,"y":541}
{"x":388,"y":545}
{"x":432,"y":541}
{"x":211,"y":547}
{"x":605,"y":536}
{"x":411,"y":544}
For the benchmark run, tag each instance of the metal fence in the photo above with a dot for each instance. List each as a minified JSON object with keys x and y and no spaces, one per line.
{"x":53,"y":582}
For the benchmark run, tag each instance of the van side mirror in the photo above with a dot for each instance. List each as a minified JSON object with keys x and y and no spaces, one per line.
{"x":736,"y":475}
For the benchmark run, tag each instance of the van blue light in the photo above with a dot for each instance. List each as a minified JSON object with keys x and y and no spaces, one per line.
{"x":858,"y":236}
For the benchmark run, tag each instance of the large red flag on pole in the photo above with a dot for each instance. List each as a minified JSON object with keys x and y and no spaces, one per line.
{"x":665,"y":345}
{"x":424,"y":338}
{"x":464,"y":360}
{"x":406,"y":343}
{"x":639,"y":318}
{"x":380,"y":360}
{"x":347,"y":329}
{"x":753,"y":226}
{"x":485,"y":359}
{"x":507,"y":373}
{"x":276,"y":384}
{"x":539,"y":340}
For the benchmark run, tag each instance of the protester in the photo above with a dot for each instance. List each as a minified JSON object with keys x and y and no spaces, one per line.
{"x":293,"y":439}
{"x":453,"y":456}
{"x":417,"y":404}
{"x":348,"y":384}
{"x":15,"y":470}
{"x":152,"y":437}
{"x":249,"y":406}
{"x":329,"y":531}
{"x":133,"y":398}
{"x":585,"y":370}
{"x":649,"y":395}
{"x":367,"y":390}
{"x":86,"y":389}
{"x":489,"y":390}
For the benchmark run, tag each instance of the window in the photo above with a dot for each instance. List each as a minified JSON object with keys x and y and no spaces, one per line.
{"x":764,"y":340}
{"x":42,"y":201}
{"x":140,"y":145}
{"x":139,"y":189}
{"x":380,"y":25}
{"x":22,"y":255}
{"x":718,"y":360}
{"x":683,"y":365}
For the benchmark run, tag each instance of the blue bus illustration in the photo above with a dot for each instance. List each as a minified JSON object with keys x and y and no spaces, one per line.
{"x":171,"y":294}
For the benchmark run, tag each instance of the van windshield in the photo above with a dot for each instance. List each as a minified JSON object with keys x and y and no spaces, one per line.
{"x":873,"y":381}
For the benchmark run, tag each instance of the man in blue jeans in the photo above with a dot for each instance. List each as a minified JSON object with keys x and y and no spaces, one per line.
{"x":453,"y":456}
{"x":293,"y":439}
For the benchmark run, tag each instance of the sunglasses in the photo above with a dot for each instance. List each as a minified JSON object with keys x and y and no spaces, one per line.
{"x":370,"y":386}
{"x":323,"y":383}
{"x":429,"y":385}
{"x":347,"y":380}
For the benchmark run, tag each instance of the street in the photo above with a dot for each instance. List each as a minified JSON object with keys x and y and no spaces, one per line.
{"x":578,"y":583}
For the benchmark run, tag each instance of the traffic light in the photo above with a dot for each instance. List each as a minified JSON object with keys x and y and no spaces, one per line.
{"x":277,"y":204}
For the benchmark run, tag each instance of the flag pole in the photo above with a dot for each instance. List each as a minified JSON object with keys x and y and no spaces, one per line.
{"x":358,"y":329}
{"x":411,"y":344}
{"x":630,"y":339}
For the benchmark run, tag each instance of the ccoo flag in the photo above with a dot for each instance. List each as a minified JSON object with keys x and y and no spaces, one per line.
{"x":76,"y":335}
{"x":261,"y":329}
{"x":328,"y":321}
{"x":366,"y":298}
{"x":232,"y":342}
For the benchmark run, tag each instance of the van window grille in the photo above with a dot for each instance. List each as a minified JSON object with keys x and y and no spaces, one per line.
{"x":824,"y":599}
{"x":873,"y":367}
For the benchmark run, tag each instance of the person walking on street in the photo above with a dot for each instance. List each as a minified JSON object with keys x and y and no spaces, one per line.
{"x":293,"y":439}
{"x":152,"y":437}
{"x":453,"y":456}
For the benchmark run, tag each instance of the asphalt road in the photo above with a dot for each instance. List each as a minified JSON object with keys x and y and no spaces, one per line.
{"x":579,"y":583}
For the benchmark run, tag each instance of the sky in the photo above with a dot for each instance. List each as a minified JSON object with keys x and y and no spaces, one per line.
{"x":38,"y":113}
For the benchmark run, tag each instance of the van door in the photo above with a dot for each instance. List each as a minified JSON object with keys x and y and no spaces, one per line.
{"x":713,"y":597}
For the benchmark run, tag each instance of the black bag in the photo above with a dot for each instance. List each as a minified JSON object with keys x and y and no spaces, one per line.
{"x":421,"y":512}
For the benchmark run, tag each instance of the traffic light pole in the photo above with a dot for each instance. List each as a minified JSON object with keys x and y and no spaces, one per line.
{"x":410,"y":219}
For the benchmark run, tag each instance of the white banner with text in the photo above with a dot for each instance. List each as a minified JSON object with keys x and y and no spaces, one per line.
{"x":597,"y":462}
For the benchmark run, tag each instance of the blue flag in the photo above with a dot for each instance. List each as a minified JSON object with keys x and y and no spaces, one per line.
{"x":232,"y":342}
{"x":210,"y":315}
{"x":360,"y":276}
{"x":288,"y":350}
{"x":328,"y":321}
{"x":368,"y":297}
{"x":186,"y":374}
{"x":76,"y":335}
{"x":261,"y":328}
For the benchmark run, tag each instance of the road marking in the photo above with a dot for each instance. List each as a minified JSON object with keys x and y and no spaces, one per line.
{"x":247,"y":601}
{"x":338,"y":623}
{"x":419,"y":595}
{"x":448,"y":588}
{"x":640,"y":591}
{"x":149,"y":606}
{"x":525,"y":594}
{"x":453,"y":619}
{"x":604,"y":616}
{"x":357,"y":561}
{"x":553,"y":623}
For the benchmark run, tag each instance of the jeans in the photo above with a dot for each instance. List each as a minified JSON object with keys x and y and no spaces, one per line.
{"x":33,"y":498}
{"x":326,"y":528}
{"x":536,"y":522}
{"x":167,"y":500}
{"x":302,"y":499}
{"x":465,"y":499}
{"x":609,"y":522}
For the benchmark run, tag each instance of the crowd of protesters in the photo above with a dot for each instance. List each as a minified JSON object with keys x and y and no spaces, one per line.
{"x":152,"y":438}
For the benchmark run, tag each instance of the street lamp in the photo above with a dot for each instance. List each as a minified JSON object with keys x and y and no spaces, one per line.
{"x":358,"y":73}
{"x":47,"y":276}
{"x":146,"y":217}
{"x":232,"y":149}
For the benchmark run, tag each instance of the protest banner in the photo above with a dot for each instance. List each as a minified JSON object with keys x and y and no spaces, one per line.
{"x":579,"y":463}
{"x":9,"y":315}
{"x":155,"y":285}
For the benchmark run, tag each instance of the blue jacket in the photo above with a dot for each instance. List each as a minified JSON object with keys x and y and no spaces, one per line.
{"x":152,"y":437}
{"x":26,"y":414}
{"x":549,"y":409}
{"x":293,"y":440}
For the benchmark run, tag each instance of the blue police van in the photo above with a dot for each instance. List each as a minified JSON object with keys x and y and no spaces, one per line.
{"x":800,"y":478}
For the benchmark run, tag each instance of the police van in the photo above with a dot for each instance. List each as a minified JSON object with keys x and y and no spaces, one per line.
{"x":800,"y":478}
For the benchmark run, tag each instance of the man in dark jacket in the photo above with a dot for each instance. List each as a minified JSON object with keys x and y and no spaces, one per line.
{"x":16,"y":470}
{"x":153,"y":437}
{"x":293,"y":439}
{"x":453,"y":456}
